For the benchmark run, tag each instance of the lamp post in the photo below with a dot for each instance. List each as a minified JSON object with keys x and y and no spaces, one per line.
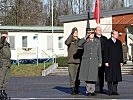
{"x":52,"y":33}
{"x":52,"y":17}
{"x":36,"y":38}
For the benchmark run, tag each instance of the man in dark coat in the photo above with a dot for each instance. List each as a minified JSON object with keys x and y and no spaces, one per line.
{"x":74,"y":56}
{"x":113,"y":62}
{"x":101,"y":69}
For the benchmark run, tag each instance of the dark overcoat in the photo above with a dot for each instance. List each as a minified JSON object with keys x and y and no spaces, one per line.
{"x":91,"y":59}
{"x":113,"y":56}
{"x":103,"y":40}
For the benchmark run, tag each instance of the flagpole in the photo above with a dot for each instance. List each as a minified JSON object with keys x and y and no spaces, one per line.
{"x":52,"y":33}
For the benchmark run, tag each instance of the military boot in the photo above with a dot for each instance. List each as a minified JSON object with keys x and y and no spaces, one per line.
{"x":77,"y":83}
{"x":4,"y":94}
{"x":73,"y":91}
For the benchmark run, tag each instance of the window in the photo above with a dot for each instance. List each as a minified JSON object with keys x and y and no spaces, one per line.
{"x":12,"y":42}
{"x":24,"y":41}
{"x":60,"y":42}
{"x":49,"y":42}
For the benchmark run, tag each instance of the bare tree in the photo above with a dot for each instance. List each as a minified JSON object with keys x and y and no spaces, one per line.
{"x":23,"y":12}
{"x":38,"y":12}
{"x":4,"y":8}
{"x":112,"y":4}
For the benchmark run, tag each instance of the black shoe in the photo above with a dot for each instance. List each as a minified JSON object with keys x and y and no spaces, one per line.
{"x":88,"y":94}
{"x":93,"y":94}
{"x":110,"y":93}
{"x":77,"y":90}
{"x":115,"y":93}
{"x":102,"y":92}
{"x":72,"y":91}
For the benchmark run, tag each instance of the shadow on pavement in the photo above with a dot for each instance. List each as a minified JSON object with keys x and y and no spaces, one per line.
{"x":63,"y":89}
{"x":67,"y":90}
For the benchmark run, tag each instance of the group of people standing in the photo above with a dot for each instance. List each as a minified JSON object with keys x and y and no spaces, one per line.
{"x":93,"y":56}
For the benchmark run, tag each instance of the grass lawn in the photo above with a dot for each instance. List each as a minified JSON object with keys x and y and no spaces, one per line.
{"x":28,"y":69}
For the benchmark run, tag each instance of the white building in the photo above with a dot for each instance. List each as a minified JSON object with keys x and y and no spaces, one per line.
{"x":118,"y":19}
{"x":30,"y":42}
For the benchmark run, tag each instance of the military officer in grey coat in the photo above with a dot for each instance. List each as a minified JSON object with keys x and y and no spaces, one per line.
{"x":91,"y":60}
{"x":74,"y":57}
{"x":5,"y":55}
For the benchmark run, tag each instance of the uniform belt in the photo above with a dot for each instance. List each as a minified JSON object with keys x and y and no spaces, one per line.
{"x":5,"y":59}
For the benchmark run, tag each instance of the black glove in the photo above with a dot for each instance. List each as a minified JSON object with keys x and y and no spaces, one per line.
{"x":3,"y":38}
{"x":8,"y":44}
{"x":86,"y":37}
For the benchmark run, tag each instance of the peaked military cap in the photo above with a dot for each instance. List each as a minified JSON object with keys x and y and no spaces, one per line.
{"x":90,"y":31}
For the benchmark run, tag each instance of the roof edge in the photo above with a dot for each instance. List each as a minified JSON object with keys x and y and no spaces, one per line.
{"x":104,"y":13}
{"x":40,"y":28}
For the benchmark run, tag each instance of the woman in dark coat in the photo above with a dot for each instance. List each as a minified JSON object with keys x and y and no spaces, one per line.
{"x":91,"y":60}
{"x":113,"y":61}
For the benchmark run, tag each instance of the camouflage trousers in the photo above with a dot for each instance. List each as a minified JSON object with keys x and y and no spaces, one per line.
{"x":4,"y":76}
{"x":73,"y":70}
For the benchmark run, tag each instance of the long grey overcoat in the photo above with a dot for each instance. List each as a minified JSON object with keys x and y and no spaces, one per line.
{"x":91,"y":59}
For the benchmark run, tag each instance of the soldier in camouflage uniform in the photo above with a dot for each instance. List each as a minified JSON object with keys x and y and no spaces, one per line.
{"x":5,"y":55}
{"x":74,"y":57}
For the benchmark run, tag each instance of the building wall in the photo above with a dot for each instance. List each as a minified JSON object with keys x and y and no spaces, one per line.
{"x":120,"y":23}
{"x":42,"y":43}
{"x":106,"y":24}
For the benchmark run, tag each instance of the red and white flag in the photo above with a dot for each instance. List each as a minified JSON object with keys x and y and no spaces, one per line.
{"x":97,"y":11}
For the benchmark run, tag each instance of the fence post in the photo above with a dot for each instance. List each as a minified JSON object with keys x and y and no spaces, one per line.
{"x":44,"y":69}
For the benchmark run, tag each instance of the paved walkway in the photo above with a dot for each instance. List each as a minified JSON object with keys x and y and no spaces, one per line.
{"x":57,"y":87}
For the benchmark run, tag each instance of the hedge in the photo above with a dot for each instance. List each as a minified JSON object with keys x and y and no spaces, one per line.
{"x":62,"y":61}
